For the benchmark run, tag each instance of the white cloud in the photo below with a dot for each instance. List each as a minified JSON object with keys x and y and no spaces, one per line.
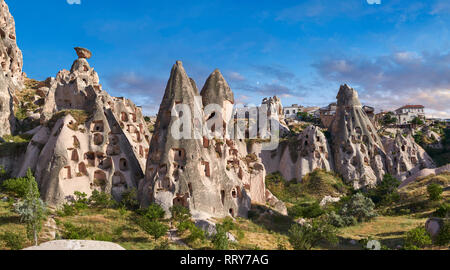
{"x":371,"y":2}
{"x":72,"y":2}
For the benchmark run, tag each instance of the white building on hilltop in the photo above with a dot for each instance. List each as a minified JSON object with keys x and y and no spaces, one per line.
{"x":407,"y":113}
{"x":291,"y":111}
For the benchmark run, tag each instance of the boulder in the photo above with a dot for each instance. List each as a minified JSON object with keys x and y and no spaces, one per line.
{"x":76,"y":245}
{"x":83,"y":52}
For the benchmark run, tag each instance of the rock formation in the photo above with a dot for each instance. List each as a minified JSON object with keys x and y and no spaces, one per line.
{"x":275,"y":111}
{"x":300,"y":156}
{"x":87,"y":140}
{"x":357,"y":149}
{"x":187,"y":171}
{"x":214,"y":174}
{"x":11,"y":69}
{"x":405,"y":157}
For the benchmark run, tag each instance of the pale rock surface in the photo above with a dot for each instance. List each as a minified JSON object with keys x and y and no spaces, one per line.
{"x":76,"y":245}
{"x":193,"y":172}
{"x":275,"y":111}
{"x":294,"y":160}
{"x":11,"y":63}
{"x":405,"y":157}
{"x":328,"y":199}
{"x":106,"y":153}
{"x":434,"y":226}
{"x":358,"y":153}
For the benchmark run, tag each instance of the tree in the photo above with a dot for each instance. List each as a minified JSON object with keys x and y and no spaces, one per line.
{"x":434,"y":192}
{"x":32,"y":209}
{"x":417,"y":121}
{"x":388,"y":119}
{"x":153,"y":227}
{"x":307,"y":236}
{"x":386,"y":191}
{"x":417,"y":238}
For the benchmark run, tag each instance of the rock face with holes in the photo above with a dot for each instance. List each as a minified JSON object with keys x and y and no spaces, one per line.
{"x":358,"y":152}
{"x":11,"y":62}
{"x":212,"y":174}
{"x":405,"y":157}
{"x":294,"y":159}
{"x":87,"y":140}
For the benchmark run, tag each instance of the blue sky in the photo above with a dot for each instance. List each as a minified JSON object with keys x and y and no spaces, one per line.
{"x":393,"y":53}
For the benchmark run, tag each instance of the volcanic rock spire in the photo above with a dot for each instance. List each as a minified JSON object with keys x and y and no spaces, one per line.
{"x":358,"y":152}
{"x":190,"y":172}
{"x":11,"y":63}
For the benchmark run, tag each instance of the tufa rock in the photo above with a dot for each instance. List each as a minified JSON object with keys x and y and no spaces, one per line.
{"x":192,"y":172}
{"x":83,"y":53}
{"x":11,"y":63}
{"x":87,"y":140}
{"x":358,"y":153}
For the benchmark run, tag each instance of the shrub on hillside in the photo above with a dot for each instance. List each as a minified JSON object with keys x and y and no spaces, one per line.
{"x":180,"y":213}
{"x":101,"y":199}
{"x":16,"y":186}
{"x":129,"y":200}
{"x":434,"y":192}
{"x":443,"y":238}
{"x":153,"y":212}
{"x":386,"y":192}
{"x":153,"y":227}
{"x":443,"y":210}
{"x":306,"y":211}
{"x":305,"y":237}
{"x":357,"y":209}
{"x":13,"y":241}
{"x":417,"y":238}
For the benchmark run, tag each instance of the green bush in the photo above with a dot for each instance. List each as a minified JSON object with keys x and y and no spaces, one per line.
{"x":196,"y":234}
{"x":443,"y":210}
{"x":74,"y":232}
{"x":417,"y":238}
{"x":306,"y":211}
{"x":443,"y":238}
{"x":153,"y":212}
{"x":180,"y":213}
{"x":13,"y":241}
{"x":153,"y":227}
{"x":359,"y":207}
{"x":434,"y":192}
{"x":356,"y":209}
{"x":3,"y":174}
{"x":220,"y":239}
{"x":101,"y":199}
{"x":386,"y":192}
{"x":16,"y":186}
{"x":305,"y":237}
{"x":129,"y":199}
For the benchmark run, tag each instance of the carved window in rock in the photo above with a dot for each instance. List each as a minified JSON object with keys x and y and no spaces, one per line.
{"x":98,"y":126}
{"x":124,"y":116}
{"x":222,"y":196}
{"x":67,"y":172}
{"x":231,"y":211}
{"x":179,"y":155}
{"x":123,"y":164}
{"x":90,"y":157}
{"x":206,"y":169}
{"x":118,"y":180}
{"x":75,"y":155}
{"x":82,"y":169}
{"x":98,"y":139}
{"x":133,"y":117}
{"x":76,"y":142}
{"x":100,"y":180}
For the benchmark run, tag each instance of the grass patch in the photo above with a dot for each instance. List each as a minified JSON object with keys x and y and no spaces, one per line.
{"x":14,"y":144}
{"x":80,"y":117}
